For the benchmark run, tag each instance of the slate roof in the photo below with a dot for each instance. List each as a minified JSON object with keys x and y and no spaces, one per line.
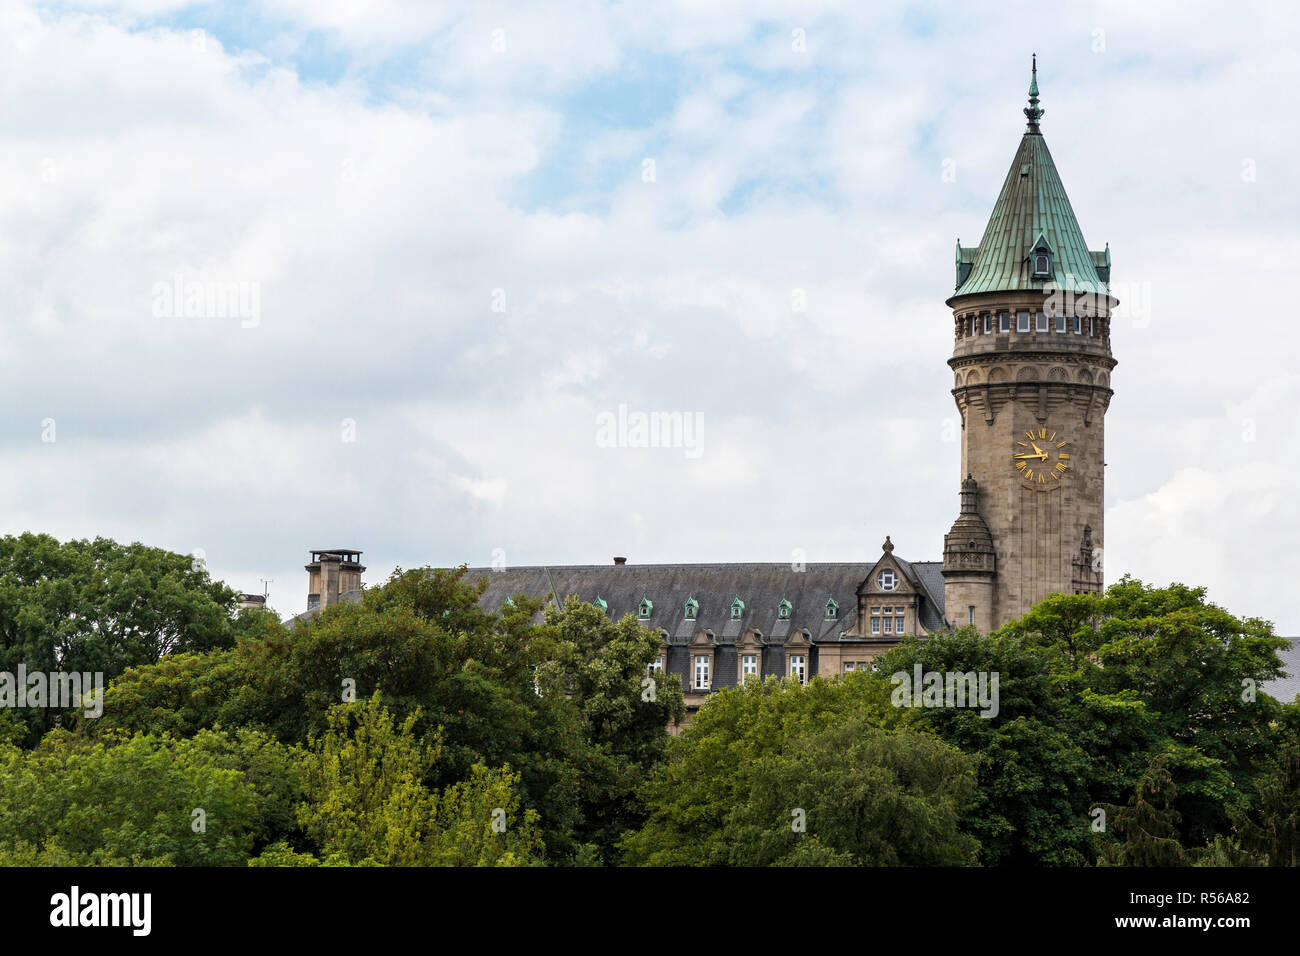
{"x":1031,"y":206}
{"x":716,"y":586}
{"x":1286,"y":688}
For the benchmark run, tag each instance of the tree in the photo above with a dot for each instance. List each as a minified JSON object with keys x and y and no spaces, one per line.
{"x":366,"y":802}
{"x":869,"y":788}
{"x":1272,"y":831}
{"x":603,"y":669}
{"x":1149,"y":824}
{"x":1032,"y":800}
{"x":142,"y":800}
{"x":100,"y":606}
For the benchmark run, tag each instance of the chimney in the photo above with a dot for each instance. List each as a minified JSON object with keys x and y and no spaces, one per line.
{"x":332,"y":574}
{"x":329,"y":579}
{"x":620,"y":561}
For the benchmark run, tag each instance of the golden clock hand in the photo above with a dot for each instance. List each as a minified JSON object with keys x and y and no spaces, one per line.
{"x":1037,"y":450}
{"x":1030,"y":456}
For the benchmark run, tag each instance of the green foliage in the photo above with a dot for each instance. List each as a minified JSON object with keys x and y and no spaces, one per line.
{"x":100,"y":606}
{"x":1031,"y":803}
{"x":366,"y":803}
{"x":131,"y":800}
{"x":1272,"y":831}
{"x":1149,"y":824}
{"x":834,"y":749}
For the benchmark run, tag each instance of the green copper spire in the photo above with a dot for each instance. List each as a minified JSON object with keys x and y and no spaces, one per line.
{"x":1032,"y":218}
{"x":1032,"y":112}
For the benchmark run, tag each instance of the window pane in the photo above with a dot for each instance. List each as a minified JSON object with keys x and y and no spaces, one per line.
{"x":1042,"y":321}
{"x":1004,"y":321}
{"x":1022,"y":321}
{"x":1060,"y":323}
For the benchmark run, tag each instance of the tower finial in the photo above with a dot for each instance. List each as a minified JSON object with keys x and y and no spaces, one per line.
{"x":1032,"y":112}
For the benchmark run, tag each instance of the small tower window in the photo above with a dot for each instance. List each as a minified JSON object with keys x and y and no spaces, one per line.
{"x":783,"y":610}
{"x":600,"y":603}
{"x":887,"y":580}
{"x":832,"y":609}
{"x":692,"y":609}
{"x":1060,"y":323}
{"x":1078,"y":325}
{"x":737,"y":609}
{"x":1004,"y":321}
{"x":988,"y":322}
{"x":1042,"y":321}
{"x":646,"y":608}
{"x":1042,"y":266}
{"x":1022,"y":320}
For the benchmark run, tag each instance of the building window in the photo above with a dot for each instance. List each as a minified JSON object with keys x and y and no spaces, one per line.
{"x":797,"y":668}
{"x":832,"y":609}
{"x":1078,"y":325}
{"x":1092,"y":325}
{"x":783,"y":610}
{"x":702,"y":672}
{"x":850,"y":666}
{"x":1042,"y":266}
{"x":1022,"y":320}
{"x":988,"y":322}
{"x":899,"y":616}
{"x":875,"y":620}
{"x":971,"y":618}
{"x":1042,"y":321}
{"x":1004,"y":321}
{"x":692,"y":609}
{"x":887,"y":580}
{"x":645,"y":609}
{"x":737,"y":609}
{"x":748,"y":667}
{"x":888,"y":618}
{"x":1060,"y":323}
{"x":655,"y":665}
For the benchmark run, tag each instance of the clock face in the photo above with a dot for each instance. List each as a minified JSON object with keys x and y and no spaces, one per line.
{"x":1042,"y":458}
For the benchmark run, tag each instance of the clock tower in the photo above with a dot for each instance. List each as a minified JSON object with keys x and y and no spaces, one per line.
{"x":1032,"y":381}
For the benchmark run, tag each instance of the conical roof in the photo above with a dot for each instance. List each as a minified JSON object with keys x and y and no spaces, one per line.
{"x":1032,"y":214}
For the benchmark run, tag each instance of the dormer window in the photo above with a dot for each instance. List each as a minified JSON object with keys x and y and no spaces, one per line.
{"x":737,"y":609}
{"x":692,"y":609}
{"x":600,"y":603}
{"x":783,"y":610}
{"x":645,"y":608}
{"x":887,"y":580}
{"x":832,"y":609}
{"x":1042,"y":265}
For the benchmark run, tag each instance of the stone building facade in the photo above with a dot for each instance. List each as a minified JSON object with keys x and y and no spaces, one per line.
{"x":1032,"y":371}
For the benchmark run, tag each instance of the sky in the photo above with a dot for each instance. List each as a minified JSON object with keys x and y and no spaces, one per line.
{"x":426,"y":252}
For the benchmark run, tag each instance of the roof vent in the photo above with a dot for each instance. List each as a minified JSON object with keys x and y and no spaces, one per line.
{"x":620,"y":561}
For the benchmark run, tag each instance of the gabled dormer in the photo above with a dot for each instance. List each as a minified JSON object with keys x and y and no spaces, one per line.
{"x":1041,"y":258}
